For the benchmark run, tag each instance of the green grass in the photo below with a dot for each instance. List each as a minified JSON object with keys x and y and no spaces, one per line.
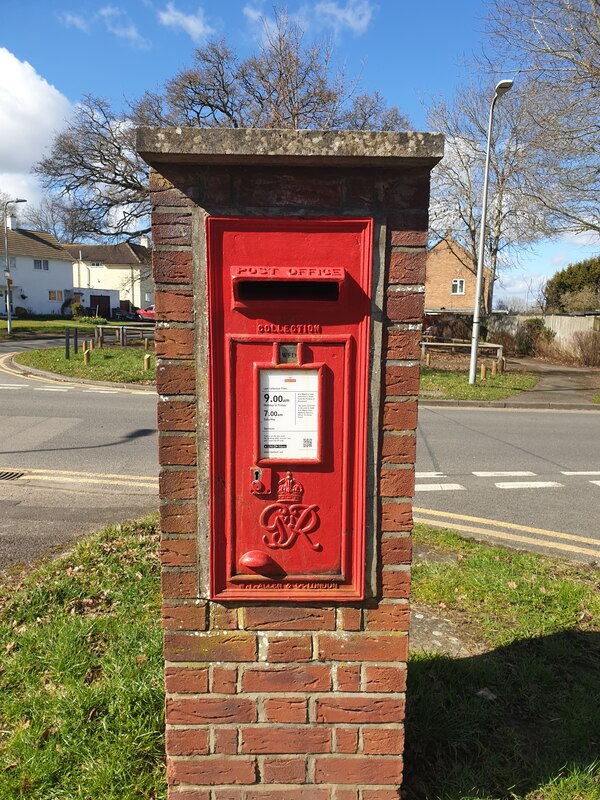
{"x":117,"y":364}
{"x":596,"y":398}
{"x":42,"y":325}
{"x":81,"y":696}
{"x":539,"y":738}
{"x":441,"y":384}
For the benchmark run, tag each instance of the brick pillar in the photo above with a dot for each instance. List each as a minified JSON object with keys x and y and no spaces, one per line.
{"x":269,"y":700}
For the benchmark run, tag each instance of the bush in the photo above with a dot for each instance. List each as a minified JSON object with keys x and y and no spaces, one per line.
{"x":532,"y":336}
{"x":21,"y":313}
{"x":92,"y":320}
{"x":587,"y":347}
{"x":76,"y":310}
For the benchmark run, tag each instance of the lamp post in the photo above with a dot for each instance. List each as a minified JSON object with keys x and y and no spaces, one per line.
{"x":502,"y":87}
{"x":7,"y":264}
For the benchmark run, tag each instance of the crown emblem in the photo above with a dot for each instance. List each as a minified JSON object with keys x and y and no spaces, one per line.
{"x":289,"y":490}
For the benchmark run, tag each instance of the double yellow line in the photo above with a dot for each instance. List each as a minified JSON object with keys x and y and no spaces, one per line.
{"x":542,"y":538}
{"x":98,"y":479}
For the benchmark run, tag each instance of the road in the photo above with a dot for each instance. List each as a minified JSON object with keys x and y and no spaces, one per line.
{"x":523,"y":478}
{"x":72,"y":458}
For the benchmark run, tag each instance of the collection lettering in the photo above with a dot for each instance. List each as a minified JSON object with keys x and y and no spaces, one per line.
{"x":276,"y":328}
{"x":295,"y":585}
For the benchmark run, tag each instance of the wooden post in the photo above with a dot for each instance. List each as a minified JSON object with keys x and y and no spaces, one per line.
{"x":494,"y":368}
{"x":86,"y":356}
{"x":427,"y":359}
{"x":146,"y":362}
{"x":75,"y":340}
{"x":67,"y":343}
{"x":101,"y":337}
{"x":483,"y":371}
{"x":146,"y":343}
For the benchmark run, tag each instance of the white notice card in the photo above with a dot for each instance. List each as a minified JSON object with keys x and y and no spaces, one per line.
{"x":289,"y":414}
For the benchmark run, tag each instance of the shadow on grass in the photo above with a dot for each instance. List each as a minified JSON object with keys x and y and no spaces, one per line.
{"x":538,"y":719}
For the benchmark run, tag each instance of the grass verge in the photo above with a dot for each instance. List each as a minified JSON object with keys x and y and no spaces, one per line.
{"x":42,"y":325}
{"x":596,"y":399}
{"x":116,"y":364}
{"x":81,"y":682}
{"x":81,"y":696}
{"x":441,"y":384}
{"x":518,"y":720}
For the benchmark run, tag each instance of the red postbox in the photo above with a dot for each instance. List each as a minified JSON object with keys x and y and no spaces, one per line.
{"x":289,"y":321}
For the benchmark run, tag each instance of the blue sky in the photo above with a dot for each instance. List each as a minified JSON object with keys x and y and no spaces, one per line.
{"x":52,"y":52}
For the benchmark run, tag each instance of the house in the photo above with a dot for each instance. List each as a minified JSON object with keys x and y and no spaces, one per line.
{"x":125,"y":268}
{"x":41,"y":271}
{"x":449,"y":283}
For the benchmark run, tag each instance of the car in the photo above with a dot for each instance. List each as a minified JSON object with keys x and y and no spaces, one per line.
{"x":124,"y":316}
{"x":146,"y":314}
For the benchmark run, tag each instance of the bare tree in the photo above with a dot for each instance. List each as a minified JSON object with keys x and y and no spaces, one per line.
{"x":67,"y":221}
{"x":513,"y":219}
{"x":555,"y":45}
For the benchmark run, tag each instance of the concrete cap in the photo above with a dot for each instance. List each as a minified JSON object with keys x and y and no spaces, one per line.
{"x":288,"y":147}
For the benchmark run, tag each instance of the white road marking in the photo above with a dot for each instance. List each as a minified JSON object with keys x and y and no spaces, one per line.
{"x":429,"y":475}
{"x":515,"y":474}
{"x":596,"y":483}
{"x":49,"y":389}
{"x":14,"y":388}
{"x":438,"y":487}
{"x":527,"y":485}
{"x":590,"y":472}
{"x":13,"y":385}
{"x":100,"y":391}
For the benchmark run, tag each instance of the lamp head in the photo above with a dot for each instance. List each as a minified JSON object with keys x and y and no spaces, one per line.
{"x":504,"y":86}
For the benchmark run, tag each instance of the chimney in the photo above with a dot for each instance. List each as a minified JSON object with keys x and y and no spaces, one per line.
{"x":11,"y":222}
{"x":144,"y":241}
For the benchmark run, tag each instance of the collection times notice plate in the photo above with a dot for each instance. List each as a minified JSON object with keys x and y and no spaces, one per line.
{"x":289,"y":414}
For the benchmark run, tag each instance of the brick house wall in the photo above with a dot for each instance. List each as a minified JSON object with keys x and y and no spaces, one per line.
{"x":267,"y":700}
{"x":443,"y":266}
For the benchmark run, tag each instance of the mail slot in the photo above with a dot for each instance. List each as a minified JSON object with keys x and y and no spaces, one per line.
{"x":289,"y":321}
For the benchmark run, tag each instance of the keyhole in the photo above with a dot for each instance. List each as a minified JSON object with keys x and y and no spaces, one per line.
{"x":257,"y":474}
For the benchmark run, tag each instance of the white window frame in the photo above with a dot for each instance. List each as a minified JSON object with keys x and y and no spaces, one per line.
{"x":458,"y":286}
{"x":58,"y":298}
{"x":43,"y":264}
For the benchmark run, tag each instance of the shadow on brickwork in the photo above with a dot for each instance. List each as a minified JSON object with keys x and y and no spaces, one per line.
{"x":504,"y":723}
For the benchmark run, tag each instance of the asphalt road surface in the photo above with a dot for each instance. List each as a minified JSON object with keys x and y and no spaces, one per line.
{"x":522,"y":478}
{"x":73,"y":458}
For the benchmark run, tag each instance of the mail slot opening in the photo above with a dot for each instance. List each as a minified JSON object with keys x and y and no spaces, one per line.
{"x":256,"y":290}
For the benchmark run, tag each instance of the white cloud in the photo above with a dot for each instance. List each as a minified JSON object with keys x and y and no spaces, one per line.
{"x":194,"y":25}
{"x":75,"y":21}
{"x":118,"y":23}
{"x":354,"y":15}
{"x":32,"y":111}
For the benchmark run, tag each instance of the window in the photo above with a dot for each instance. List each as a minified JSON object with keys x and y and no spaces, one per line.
{"x":458,"y":286}
{"x":96,"y":264}
{"x":12,"y":262}
{"x":55,"y":295}
{"x":40,"y":263}
{"x":148,"y":297}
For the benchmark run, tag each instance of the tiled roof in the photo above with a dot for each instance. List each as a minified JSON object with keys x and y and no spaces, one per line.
{"x":124,"y":253}
{"x":34,"y":244}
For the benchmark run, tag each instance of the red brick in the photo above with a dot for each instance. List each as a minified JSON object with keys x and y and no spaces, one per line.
{"x":396,"y":517}
{"x":179,"y":584}
{"x":358,"y":770}
{"x":350,"y":619}
{"x":344,"y":793}
{"x":173,"y":229}
{"x":408,"y":230}
{"x":174,"y":343}
{"x":289,"y":648}
{"x":309,"y":678}
{"x":224,"y":680}
{"x":213,"y":770}
{"x":363,"y":647}
{"x":286,"y":709}
{"x":400,"y":381}
{"x":270,"y":190}
{"x":284,"y":770}
{"x":186,"y":680}
{"x":399,"y":449}
{"x":165,"y":194}
{"x":174,"y":306}
{"x":346,"y":740}
{"x":177,"y":484}
{"x":397,"y":483}
{"x":178,"y":552}
{"x":187,"y":742}
{"x":289,"y":619}
{"x":404,"y":307}
{"x":407,"y":267}
{"x":178,"y":518}
{"x":288,"y":793}
{"x":226,"y":740}
{"x":403,"y":344}
{"x":381,"y":794}
{"x":210,"y":647}
{"x":360,"y":709}
{"x":410,"y":190}
{"x":209,"y":710}
{"x":190,"y":617}
{"x":400,"y":416}
{"x":397,"y":550}
{"x":223,"y":618}
{"x":348,"y":678}
{"x":225,"y":794}
{"x":383,"y":741}
{"x":395,"y":583}
{"x":389,"y":617}
{"x":385,"y":679}
{"x":192,"y":794}
{"x":172,"y":266}
{"x":176,"y":415}
{"x":300,"y":739}
{"x":175,"y":379}
{"x":176,"y":450}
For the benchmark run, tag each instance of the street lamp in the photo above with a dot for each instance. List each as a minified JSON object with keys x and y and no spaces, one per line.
{"x":502,"y":88}
{"x":7,"y":264}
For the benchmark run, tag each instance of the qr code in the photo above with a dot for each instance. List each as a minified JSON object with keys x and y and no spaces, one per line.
{"x":307,"y":443}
